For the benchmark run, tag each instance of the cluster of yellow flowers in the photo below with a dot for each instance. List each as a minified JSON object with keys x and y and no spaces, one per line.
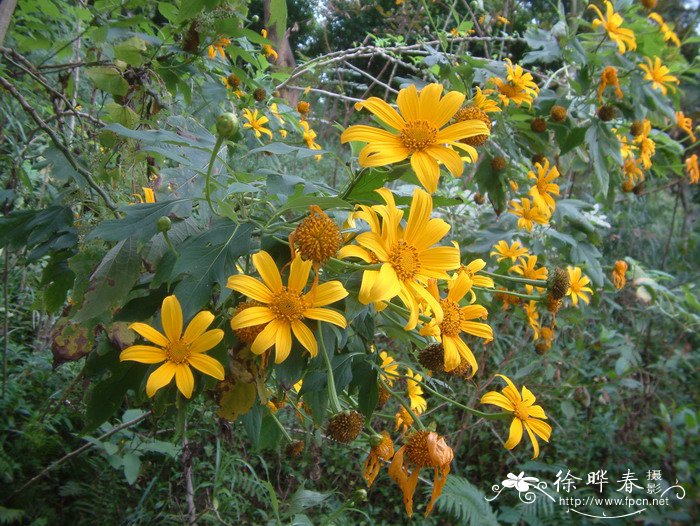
{"x":539,"y":209}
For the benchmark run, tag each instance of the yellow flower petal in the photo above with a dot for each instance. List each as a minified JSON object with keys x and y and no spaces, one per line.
{"x":327,"y":293}
{"x":407,"y":101}
{"x":266,"y":338}
{"x":250,"y":287}
{"x":268,"y":271}
{"x":387,"y":284}
{"x":298,"y":274}
{"x":252,"y":316}
{"x":197,"y":326}
{"x":382,"y":110}
{"x":184,"y":379}
{"x":426,"y":169}
{"x":305,"y":337}
{"x":143,"y":354}
{"x":160,"y":377}
{"x":171,"y":318}
{"x":206,"y":341}
{"x":447,"y":156}
{"x":150,"y":333}
{"x":326,"y":315}
{"x":535,"y":444}
{"x":283,"y":342}
{"x":515,"y":434}
{"x":207,"y":365}
{"x":497,"y":399}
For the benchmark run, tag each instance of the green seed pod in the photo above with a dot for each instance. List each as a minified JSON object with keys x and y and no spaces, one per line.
{"x":227,"y":125}
{"x":164,"y":223}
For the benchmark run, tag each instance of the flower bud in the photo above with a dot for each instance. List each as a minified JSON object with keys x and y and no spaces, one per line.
{"x":164,"y":224}
{"x":227,"y":125}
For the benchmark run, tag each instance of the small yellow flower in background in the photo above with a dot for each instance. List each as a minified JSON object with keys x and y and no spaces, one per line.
{"x":309,"y":135}
{"x":525,"y":414}
{"x":390,"y":368}
{"x":382,"y":451}
{"x":419,"y":133}
{"x":481,"y":101}
{"x":422,"y":449}
{"x":283,"y":133}
{"x":533,"y":318}
{"x":268,"y":50}
{"x":646,"y":145}
{"x":619,"y":273}
{"x":256,"y":122}
{"x":659,"y":75}
{"x":685,"y":124}
{"x":518,"y":88}
{"x":609,"y":78}
{"x":514,"y":251}
{"x":526,"y":268}
{"x":178,"y":350}
{"x":149,"y":196}
{"x":632,"y":171}
{"x":503,"y":20}
{"x":527,"y":214}
{"x":303,"y":108}
{"x":611,"y":22}
{"x":669,"y":34}
{"x":627,"y":149}
{"x":219,"y":47}
{"x":547,"y":334}
{"x":410,"y":256}
{"x":691,"y":167}
{"x":457,"y":320}
{"x":285,"y":306}
{"x":274,"y":109}
{"x":544,"y":188}
{"x":472,"y":270}
{"x":404,"y":420}
{"x":578,"y":288}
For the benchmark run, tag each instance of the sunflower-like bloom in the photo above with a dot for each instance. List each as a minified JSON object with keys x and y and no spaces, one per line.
{"x":472,"y":270}
{"x":256,"y":123}
{"x":233,"y":83}
{"x":457,"y":320}
{"x":390,"y":368}
{"x":545,"y":343}
{"x":609,"y":78}
{"x":518,"y":88}
{"x":178,"y":350}
{"x":525,"y":414}
{"x":480,"y":100}
{"x":267,"y":49}
{"x":627,"y":148}
{"x":527,"y":214}
{"x":685,"y":124}
{"x":404,"y":420}
{"x":149,"y":196}
{"x":646,"y":145}
{"x":611,"y":22}
{"x":533,"y":318}
{"x":619,"y":273}
{"x":578,"y":286}
{"x":423,"y":449}
{"x":514,"y":251}
{"x":283,"y":307}
{"x":632,"y":171}
{"x":659,"y":75}
{"x":219,"y":47}
{"x":415,"y":392}
{"x":544,"y":188}
{"x":383,"y":450}
{"x":668,"y":33}
{"x":527,"y":268}
{"x":419,"y":133}
{"x":408,"y":255}
{"x":691,"y":167}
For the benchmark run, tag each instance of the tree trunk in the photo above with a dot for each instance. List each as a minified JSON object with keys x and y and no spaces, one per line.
{"x":7,"y":7}
{"x":284,"y":50}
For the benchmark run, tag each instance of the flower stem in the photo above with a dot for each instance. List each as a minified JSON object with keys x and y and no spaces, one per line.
{"x":357,"y":266}
{"x":279,"y":424}
{"x":170,"y":243}
{"x":536,"y":282}
{"x":332,"y":394}
{"x":536,"y":297}
{"x":403,"y":403}
{"x":207,"y":182}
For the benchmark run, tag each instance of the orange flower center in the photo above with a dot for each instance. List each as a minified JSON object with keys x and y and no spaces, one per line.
{"x":451,"y":318}
{"x":404,"y":258}
{"x":508,"y":90}
{"x":178,"y":352}
{"x":521,"y":411}
{"x":288,"y":305}
{"x":418,"y":135}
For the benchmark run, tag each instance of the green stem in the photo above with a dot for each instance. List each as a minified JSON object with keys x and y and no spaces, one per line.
{"x":536,"y":297}
{"x":403,"y":403}
{"x":332,"y":394}
{"x":207,"y":182}
{"x":170,"y":243}
{"x":181,"y":416}
{"x":279,"y":424}
{"x":355,"y":179}
{"x":357,"y":266}
{"x":536,"y":282}
{"x":405,"y":312}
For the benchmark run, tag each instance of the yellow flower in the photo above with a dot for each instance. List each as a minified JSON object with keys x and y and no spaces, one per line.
{"x":309,"y":135}
{"x":471,"y":270}
{"x":422,"y":449}
{"x":611,"y":22}
{"x":274,"y":109}
{"x":626,"y":148}
{"x":619,"y":272}
{"x":685,"y":124}
{"x":513,"y":252}
{"x":219,"y":46}
{"x":669,"y":34}
{"x":390,"y":367}
{"x":285,"y":307}
{"x":481,"y":101}
{"x":382,"y":451}
{"x":578,"y":286}
{"x":415,"y":392}
{"x":533,"y":318}
{"x":268,"y":50}
{"x":518,"y":88}
{"x":647,"y":147}
{"x":525,"y":414}
{"x":256,"y":123}
{"x":545,"y":344}
{"x":503,"y":20}
{"x":455,"y":321}
{"x":408,"y":255}
{"x":659,"y":75}
{"x":149,"y":196}
{"x":526,"y":267}
{"x":528,"y":214}
{"x":544,"y":188}
{"x":419,"y":133}
{"x":609,"y":78}
{"x":632,"y":171}
{"x":691,"y":166}
{"x":404,"y":420}
{"x":178,"y":350}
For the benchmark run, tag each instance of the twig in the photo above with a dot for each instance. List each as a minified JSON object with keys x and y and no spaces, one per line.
{"x":64,"y":149}
{"x":80,"y":450}
{"x":6,"y":333}
{"x":324,"y":92}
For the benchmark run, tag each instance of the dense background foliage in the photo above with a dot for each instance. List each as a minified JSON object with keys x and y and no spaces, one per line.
{"x":102,"y":99}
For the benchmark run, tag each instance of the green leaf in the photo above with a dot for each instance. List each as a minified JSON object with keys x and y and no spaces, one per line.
{"x":132,"y":467}
{"x":546,"y":46}
{"x":303,"y":202}
{"x":278,"y":15}
{"x":112,"y":280}
{"x":45,"y":230}
{"x":572,"y":139}
{"x":122,"y":115}
{"x":107,"y":396}
{"x":466,"y":502}
{"x":108,"y":79}
{"x":601,"y":179}
{"x":131,"y":51}
{"x":207,"y":259}
{"x":491,"y":184}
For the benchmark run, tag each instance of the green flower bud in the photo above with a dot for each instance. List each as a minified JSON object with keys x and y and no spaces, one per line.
{"x":360,"y":495}
{"x":227,"y":125}
{"x":375,"y":440}
{"x":164,"y":223}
